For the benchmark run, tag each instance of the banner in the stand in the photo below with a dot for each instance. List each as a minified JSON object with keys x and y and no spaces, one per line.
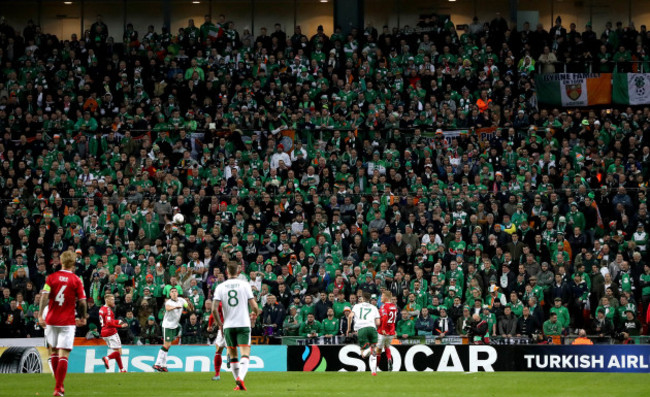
{"x":483,"y":134}
{"x":631,"y":88}
{"x":574,"y":89}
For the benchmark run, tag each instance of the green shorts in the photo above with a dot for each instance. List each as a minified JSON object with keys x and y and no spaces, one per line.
{"x":367,"y":336}
{"x":169,"y":334}
{"x":238,"y":336}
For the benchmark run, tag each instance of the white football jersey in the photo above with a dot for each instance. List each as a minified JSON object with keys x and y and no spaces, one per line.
{"x":173,"y":317}
{"x":234,"y":295}
{"x":365,"y":315}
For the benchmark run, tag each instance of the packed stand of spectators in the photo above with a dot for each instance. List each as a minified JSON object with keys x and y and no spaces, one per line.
{"x":540,"y":229}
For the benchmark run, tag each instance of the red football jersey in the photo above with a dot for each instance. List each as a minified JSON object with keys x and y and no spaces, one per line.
{"x":65,"y":288}
{"x":108,"y":322}
{"x":211,"y":318}
{"x":388,"y":313}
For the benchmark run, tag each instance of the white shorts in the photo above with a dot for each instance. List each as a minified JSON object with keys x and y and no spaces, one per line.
{"x":60,"y":337}
{"x":113,"y":342}
{"x":384,"y":341}
{"x":220,"y":341}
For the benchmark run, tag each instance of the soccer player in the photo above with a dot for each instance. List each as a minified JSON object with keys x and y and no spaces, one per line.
{"x":109,"y":331}
{"x":388,"y":313}
{"x":171,"y":323}
{"x":220,"y":343}
{"x":366,"y":320}
{"x":60,"y":295}
{"x":235,"y":296}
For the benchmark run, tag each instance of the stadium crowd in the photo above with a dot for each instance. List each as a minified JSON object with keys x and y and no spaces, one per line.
{"x":321,"y":164}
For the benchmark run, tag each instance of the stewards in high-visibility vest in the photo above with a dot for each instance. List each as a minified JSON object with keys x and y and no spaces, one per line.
{"x":483,"y":102}
{"x":582,"y":339}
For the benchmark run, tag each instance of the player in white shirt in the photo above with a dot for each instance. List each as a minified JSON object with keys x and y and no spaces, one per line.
{"x":236,"y":297}
{"x":366,"y":320}
{"x":171,"y":324}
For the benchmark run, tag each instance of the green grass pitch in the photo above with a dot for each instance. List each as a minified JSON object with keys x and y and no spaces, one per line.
{"x":330,"y":384}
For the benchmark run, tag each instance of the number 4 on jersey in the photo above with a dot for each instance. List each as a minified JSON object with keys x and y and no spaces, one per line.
{"x":60,"y":297}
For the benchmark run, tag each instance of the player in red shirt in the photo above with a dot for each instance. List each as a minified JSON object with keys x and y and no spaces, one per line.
{"x":60,"y":295}
{"x":109,"y":331}
{"x":220,"y":343}
{"x":386,"y":331}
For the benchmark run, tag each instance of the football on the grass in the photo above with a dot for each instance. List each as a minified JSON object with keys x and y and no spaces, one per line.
{"x":179,"y":219}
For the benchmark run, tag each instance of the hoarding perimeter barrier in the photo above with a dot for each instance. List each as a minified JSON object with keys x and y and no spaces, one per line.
{"x":412,"y":358}
{"x":181,"y":358}
{"x":454,"y":358}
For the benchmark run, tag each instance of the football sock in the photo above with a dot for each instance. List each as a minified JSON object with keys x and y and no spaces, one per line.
{"x":388,"y":355}
{"x":243,"y":367}
{"x":55,"y":363}
{"x":117,"y":357}
{"x":61,"y":371}
{"x":162,"y":357}
{"x":217,"y":363}
{"x":234,"y":367}
{"x":373,"y":362}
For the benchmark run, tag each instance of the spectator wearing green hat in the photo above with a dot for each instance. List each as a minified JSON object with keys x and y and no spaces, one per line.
{"x":151,"y":334}
{"x":92,"y":332}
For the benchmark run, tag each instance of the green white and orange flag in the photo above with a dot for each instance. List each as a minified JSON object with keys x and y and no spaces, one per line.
{"x":574,"y":89}
{"x":214,"y":32}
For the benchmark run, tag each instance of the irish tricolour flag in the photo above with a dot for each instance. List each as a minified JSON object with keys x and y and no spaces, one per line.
{"x":574,"y":89}
{"x":631,"y":88}
{"x":214,"y":32}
